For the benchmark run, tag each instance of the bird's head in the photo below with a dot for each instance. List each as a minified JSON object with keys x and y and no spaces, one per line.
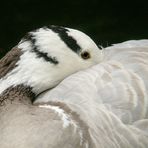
{"x":50,"y":54}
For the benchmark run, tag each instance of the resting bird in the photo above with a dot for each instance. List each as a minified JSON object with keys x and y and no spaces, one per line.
{"x":100,"y":107}
{"x":40,"y":61}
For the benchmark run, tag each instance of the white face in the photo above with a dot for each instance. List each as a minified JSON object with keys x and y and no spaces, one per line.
{"x":51,"y":54}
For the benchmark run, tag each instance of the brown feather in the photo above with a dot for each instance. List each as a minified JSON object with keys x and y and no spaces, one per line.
{"x":8,"y":62}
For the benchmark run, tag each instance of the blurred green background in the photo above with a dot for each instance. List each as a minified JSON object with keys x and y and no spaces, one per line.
{"x":105,"y":21}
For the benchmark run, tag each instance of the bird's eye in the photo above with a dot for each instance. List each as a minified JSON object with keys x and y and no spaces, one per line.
{"x":85,"y":55}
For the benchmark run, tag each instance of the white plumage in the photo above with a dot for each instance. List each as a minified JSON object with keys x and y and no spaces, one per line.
{"x":48,"y":56}
{"x":42,"y":59}
{"x":111,"y":97}
{"x":104,"y":106}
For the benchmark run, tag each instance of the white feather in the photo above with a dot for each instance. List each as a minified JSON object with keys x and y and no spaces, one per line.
{"x":111,"y":97}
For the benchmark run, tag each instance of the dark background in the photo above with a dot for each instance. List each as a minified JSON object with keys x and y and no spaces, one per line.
{"x":105,"y":21}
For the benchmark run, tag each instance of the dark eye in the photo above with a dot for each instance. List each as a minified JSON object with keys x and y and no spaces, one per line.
{"x":85,"y":55}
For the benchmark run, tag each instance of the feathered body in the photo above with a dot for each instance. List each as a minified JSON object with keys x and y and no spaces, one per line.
{"x":41,"y":60}
{"x":103,"y":106}
{"x":111,"y":97}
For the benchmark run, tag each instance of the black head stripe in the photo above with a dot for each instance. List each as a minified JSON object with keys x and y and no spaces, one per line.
{"x":47,"y":58}
{"x":30,"y":37}
{"x":68,"y":40}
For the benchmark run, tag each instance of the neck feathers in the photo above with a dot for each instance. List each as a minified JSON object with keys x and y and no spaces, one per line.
{"x":18,"y":93}
{"x":13,"y":93}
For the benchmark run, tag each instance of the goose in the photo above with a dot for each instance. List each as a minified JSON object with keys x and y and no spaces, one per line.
{"x":40,"y":61}
{"x":102,"y":106}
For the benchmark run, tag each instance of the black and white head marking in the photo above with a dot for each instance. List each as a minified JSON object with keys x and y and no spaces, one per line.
{"x":48,"y":55}
{"x":67,"y":39}
{"x":44,"y":55}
